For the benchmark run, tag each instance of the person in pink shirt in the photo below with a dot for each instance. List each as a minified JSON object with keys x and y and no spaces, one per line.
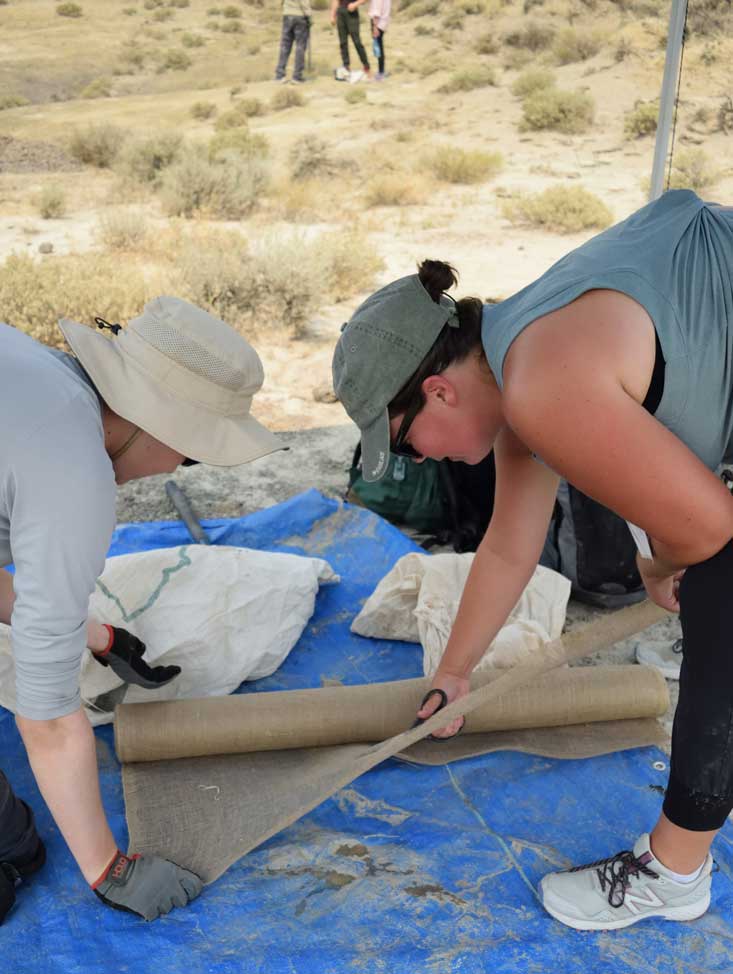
{"x":379,"y":11}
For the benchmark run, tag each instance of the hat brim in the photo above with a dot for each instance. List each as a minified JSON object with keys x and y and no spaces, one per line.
{"x":375,"y":448}
{"x":188,"y":428}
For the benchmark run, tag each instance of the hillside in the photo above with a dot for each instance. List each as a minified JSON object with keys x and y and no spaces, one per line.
{"x":149,"y":148}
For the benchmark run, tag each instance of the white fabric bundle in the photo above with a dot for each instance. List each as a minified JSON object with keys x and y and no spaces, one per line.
{"x":418,"y":599}
{"x":222,"y":614}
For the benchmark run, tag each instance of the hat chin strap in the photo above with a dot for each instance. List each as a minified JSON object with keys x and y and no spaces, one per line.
{"x":126,"y":445}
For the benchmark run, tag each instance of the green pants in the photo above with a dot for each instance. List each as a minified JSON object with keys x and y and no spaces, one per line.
{"x":348,"y":27}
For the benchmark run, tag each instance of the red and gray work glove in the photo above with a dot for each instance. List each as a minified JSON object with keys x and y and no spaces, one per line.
{"x":124,"y":653}
{"x":146,"y":885}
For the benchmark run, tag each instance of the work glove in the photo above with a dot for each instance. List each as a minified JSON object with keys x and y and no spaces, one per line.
{"x":146,"y":885}
{"x":124,"y":653}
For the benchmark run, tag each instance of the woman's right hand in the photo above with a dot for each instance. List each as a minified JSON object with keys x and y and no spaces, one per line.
{"x":454,"y":687}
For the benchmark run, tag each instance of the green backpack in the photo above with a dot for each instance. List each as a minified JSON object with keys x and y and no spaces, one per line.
{"x":408,"y":493}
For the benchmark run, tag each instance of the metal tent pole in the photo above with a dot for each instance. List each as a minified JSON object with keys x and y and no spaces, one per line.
{"x":668,"y":94}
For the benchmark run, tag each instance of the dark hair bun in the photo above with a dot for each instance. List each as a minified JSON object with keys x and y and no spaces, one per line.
{"x":436,"y":277}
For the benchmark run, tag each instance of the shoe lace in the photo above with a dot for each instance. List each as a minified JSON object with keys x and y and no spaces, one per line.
{"x":615,"y":872}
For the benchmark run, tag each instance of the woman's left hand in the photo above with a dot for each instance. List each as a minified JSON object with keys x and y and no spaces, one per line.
{"x":662,"y":586}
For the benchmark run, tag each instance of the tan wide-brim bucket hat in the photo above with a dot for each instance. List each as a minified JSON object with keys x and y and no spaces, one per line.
{"x":182,"y":375}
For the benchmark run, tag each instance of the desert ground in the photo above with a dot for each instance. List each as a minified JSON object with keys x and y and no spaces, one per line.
{"x":147,"y":149}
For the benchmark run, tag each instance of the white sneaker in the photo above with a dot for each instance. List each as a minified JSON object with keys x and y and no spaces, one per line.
{"x":356,"y":76}
{"x":664,"y":656}
{"x":622,"y":890}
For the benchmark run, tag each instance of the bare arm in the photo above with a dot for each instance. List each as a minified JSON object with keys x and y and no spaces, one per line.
{"x":568,"y":395}
{"x":64,"y":761}
{"x":504,"y":563}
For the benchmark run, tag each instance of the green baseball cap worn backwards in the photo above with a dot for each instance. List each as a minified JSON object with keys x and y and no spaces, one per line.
{"x":380,"y":348}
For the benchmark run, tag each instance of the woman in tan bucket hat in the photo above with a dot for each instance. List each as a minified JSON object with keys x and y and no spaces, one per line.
{"x":175,"y":386}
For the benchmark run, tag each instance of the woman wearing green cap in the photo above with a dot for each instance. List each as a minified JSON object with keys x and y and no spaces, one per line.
{"x":613,"y":370}
{"x":175,"y":386}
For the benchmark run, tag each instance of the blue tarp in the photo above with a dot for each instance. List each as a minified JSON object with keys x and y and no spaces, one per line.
{"x":410,"y":869}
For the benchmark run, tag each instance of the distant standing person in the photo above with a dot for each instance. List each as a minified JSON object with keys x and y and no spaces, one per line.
{"x":379,"y":11}
{"x":296,"y":29}
{"x":345,"y":14}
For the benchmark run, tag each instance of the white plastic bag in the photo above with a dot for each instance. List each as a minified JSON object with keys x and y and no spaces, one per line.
{"x":418,"y":599}
{"x":224,"y":615}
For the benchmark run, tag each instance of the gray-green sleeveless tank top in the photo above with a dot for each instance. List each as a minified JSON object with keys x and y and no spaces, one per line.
{"x":675,"y":257}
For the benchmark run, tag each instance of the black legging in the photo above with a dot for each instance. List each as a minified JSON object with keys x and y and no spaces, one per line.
{"x":700,"y":790}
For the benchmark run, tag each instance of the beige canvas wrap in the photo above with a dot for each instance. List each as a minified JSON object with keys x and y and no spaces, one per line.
{"x":206,"y":781}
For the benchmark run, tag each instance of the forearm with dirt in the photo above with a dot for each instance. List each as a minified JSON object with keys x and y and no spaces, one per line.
{"x":63,"y":757}
{"x":502,"y":567}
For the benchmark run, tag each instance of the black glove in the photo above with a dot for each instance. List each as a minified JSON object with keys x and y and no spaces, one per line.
{"x":124,"y":653}
{"x":146,"y":885}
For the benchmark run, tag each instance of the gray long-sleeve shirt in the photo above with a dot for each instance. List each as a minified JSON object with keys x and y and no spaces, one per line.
{"x":57,"y":514}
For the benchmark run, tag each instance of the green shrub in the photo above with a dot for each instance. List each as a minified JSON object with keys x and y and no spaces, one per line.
{"x":192,"y":40}
{"x":423,"y":30}
{"x":101,"y":88}
{"x":69,"y":10}
{"x":52,"y":202}
{"x":453,"y":20}
{"x":535,"y":79}
{"x":561,"y":209}
{"x":570,"y":112}
{"x":393,"y":189}
{"x":642,"y":120}
{"x":129,"y":11}
{"x":624,"y":48}
{"x":144,"y":159}
{"x":132,"y":54}
{"x":355,"y":95}
{"x":179,"y":3}
{"x":201,"y":110}
{"x":165,"y":14}
{"x":532,"y":37}
{"x":226,"y":187}
{"x":96,"y":145}
{"x":33,"y":294}
{"x":350,"y":263}
{"x":280,"y":282}
{"x":693,"y":169}
{"x":174,"y":60}
{"x":454,"y":165}
{"x":287,"y":98}
{"x":12,"y":101}
{"x":238,"y":115}
{"x":248,"y":144}
{"x":310,"y":157}
{"x":571,"y":45}
{"x":710,"y":17}
{"x":232,"y":12}
{"x":466,"y":79}
{"x":487,"y":44}
{"x":125,"y":230}
{"x":424,"y":8}
{"x":231,"y":27}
